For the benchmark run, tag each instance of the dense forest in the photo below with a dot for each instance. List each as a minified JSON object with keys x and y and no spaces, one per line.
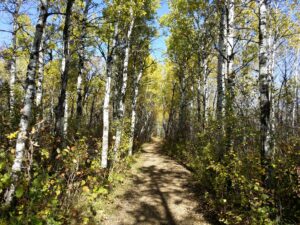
{"x":82,"y":89}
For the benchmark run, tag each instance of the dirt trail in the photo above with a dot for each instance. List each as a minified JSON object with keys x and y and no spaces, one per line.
{"x":158,"y":192}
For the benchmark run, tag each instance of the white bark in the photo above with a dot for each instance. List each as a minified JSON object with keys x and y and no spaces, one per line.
{"x":264,"y":86}
{"x":79,"y":96}
{"x":270,"y":68}
{"x":28,"y":102}
{"x":230,"y":50}
{"x":66,"y":116}
{"x":230,"y":73}
{"x":221,"y":76}
{"x":105,"y":137}
{"x":60,"y":118}
{"x":204,"y":92}
{"x":199,"y":99}
{"x":13,"y":63}
{"x":296,"y":93}
{"x":39,"y":89}
{"x":221,"y":65}
{"x":109,"y":70}
{"x":133,"y":113}
{"x":52,"y":113}
{"x":121,"y":104}
{"x":182,"y":132}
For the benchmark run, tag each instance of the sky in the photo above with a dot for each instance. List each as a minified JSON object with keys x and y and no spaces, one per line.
{"x":159,"y":45}
{"x":30,"y":9}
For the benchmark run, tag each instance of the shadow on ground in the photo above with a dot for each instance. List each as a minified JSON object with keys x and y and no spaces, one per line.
{"x":162,"y":192}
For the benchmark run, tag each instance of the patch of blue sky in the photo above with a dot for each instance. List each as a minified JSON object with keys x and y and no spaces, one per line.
{"x":158,"y":46}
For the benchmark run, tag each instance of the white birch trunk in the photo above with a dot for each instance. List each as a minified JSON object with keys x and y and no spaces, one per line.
{"x":204,"y":93}
{"x":221,"y":65}
{"x":66,"y":115}
{"x":230,"y":50}
{"x":28,"y":102}
{"x":270,"y":67}
{"x":264,"y":87}
{"x":182,"y":132}
{"x":133,"y":113}
{"x":13,"y":63}
{"x":105,"y":138}
{"x":199,"y":99}
{"x":296,"y":93}
{"x":221,"y":77}
{"x":60,"y":119}
{"x":109,"y":64}
{"x":121,"y":104}
{"x":230,"y":73}
{"x":39,"y":88}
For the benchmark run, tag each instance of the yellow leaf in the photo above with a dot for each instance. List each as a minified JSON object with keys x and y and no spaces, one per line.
{"x":85,"y":189}
{"x":12,"y":135}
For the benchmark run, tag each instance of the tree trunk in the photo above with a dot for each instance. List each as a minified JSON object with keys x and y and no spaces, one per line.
{"x":271,"y":65}
{"x":66,"y":116}
{"x":230,"y":51}
{"x":171,"y":112}
{"x":133,"y":113}
{"x":296,"y":93}
{"x":39,"y":89}
{"x":92,"y":111}
{"x":109,"y":71}
{"x":182,"y":128}
{"x":81,"y":56}
{"x":60,"y":109}
{"x":28,"y":102}
{"x":121,"y":103}
{"x":230,"y":73}
{"x":199,"y":115}
{"x":264,"y":86}
{"x":221,"y":75}
{"x":221,"y":65}
{"x":204,"y":94}
{"x":13,"y":66}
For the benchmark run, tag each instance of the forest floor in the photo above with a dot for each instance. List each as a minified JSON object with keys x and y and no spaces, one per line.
{"x":158,"y":191}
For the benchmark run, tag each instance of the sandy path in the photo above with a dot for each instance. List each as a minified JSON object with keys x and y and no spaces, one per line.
{"x":158,"y":192}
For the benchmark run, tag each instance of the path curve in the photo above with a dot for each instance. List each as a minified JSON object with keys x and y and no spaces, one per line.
{"x":157,"y":192}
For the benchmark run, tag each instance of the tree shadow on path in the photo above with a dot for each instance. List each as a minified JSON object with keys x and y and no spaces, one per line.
{"x":162,"y":192}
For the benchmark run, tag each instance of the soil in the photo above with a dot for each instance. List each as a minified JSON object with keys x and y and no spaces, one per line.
{"x":158,"y":191}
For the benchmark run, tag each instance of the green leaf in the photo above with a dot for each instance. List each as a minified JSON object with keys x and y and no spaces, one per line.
{"x":2,"y":165}
{"x":5,"y":178}
{"x":102,"y":191}
{"x":264,"y":196}
{"x":19,"y":192}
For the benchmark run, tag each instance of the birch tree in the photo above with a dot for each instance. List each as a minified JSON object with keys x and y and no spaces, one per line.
{"x":221,"y":63}
{"x":230,"y":72}
{"x":121,"y":103}
{"x":110,"y":59}
{"x":264,"y":89}
{"x":61,"y":116}
{"x":230,"y":51}
{"x":13,"y":63}
{"x":40,"y":77}
{"x":133,"y":110}
{"x":82,"y":59}
{"x":26,"y":111}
